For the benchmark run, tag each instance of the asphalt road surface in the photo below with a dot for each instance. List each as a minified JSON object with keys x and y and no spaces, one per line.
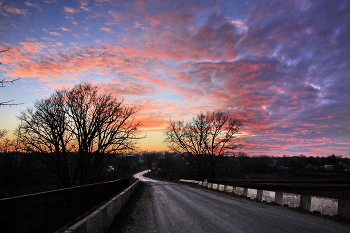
{"x":170,"y":207}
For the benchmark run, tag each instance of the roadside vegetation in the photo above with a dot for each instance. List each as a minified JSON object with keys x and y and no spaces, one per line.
{"x":172,"y":166}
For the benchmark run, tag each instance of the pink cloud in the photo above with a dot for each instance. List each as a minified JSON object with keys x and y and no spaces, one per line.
{"x":70,"y":9}
{"x":65,"y":29}
{"x":109,"y":30}
{"x":31,"y":47}
{"x":143,"y":75}
{"x":15,"y":10}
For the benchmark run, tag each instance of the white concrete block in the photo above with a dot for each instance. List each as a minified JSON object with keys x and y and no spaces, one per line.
{"x":221,"y":187}
{"x":252,"y":193}
{"x":215,"y":186}
{"x":209,"y":185}
{"x":268,"y":196}
{"x":291,"y":199}
{"x":326,"y":206}
{"x":229,"y":189}
{"x":238,"y":190}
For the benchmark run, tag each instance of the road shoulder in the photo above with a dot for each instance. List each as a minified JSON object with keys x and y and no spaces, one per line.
{"x":137,"y":215}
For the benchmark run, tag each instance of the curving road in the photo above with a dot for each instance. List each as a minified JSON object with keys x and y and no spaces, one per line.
{"x":182,"y":208}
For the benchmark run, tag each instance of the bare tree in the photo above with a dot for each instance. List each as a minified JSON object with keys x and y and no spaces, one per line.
{"x":151,"y":160}
{"x":101,"y":126}
{"x":76,"y":132}
{"x":204,"y":139}
{"x":44,"y":130}
{"x":3,"y":81}
{"x":3,"y":132}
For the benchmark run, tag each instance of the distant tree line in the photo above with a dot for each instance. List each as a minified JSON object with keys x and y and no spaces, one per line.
{"x":173,"y":166}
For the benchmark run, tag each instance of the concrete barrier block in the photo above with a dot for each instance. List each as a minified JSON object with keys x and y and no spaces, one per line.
{"x":111,"y":212}
{"x":124,"y":199}
{"x":95,"y":223}
{"x":288,"y":199}
{"x":215,"y":186}
{"x":102,"y":218}
{"x":259,"y":194}
{"x":209,"y":185}
{"x":279,"y":196}
{"x":79,"y":227}
{"x":189,"y":181}
{"x":229,"y":189}
{"x":344,"y":208}
{"x":118,"y":203}
{"x":245,"y":192}
{"x":252,"y":193}
{"x":200,"y":183}
{"x":291,"y":200}
{"x":105,"y":219}
{"x":305,"y":202}
{"x":221,"y":187}
{"x":325,"y":206}
{"x":238,"y":190}
{"x":205,"y":184}
{"x":268,"y":196}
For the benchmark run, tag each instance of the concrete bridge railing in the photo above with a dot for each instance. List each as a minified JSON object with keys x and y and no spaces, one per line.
{"x":103,"y":217}
{"x":322,"y":205}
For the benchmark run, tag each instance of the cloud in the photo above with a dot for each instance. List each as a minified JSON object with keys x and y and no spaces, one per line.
{"x":109,"y":30}
{"x":117,"y":16}
{"x":70,"y":9}
{"x":65,"y":29}
{"x":281,"y":66}
{"x":79,"y":60}
{"x":84,"y":5}
{"x":55,"y":33}
{"x":284,"y":65}
{"x":28,"y":3}
{"x":36,"y":5}
{"x":30,"y":47}
{"x":143,"y":75}
{"x":15,"y":10}
{"x":31,"y":39}
{"x":52,"y":33}
{"x":49,"y":1}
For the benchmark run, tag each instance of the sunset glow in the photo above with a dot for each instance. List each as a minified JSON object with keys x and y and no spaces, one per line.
{"x":283,"y":67}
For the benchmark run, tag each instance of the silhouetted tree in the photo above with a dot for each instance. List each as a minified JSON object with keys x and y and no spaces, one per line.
{"x":3,"y":132}
{"x":204,"y":139}
{"x":76,"y":132}
{"x":151,"y":160}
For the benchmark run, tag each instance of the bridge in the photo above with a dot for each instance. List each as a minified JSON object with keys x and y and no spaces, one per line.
{"x":194,"y":207}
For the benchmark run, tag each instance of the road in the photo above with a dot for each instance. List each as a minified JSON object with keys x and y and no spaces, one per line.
{"x":170,"y":207}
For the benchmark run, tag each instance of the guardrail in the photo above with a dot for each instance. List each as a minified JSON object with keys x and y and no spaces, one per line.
{"x":102,"y":218}
{"x":49,"y":211}
{"x":322,"y":205}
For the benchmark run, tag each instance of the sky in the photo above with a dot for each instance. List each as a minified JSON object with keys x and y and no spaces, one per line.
{"x":282,"y":67}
